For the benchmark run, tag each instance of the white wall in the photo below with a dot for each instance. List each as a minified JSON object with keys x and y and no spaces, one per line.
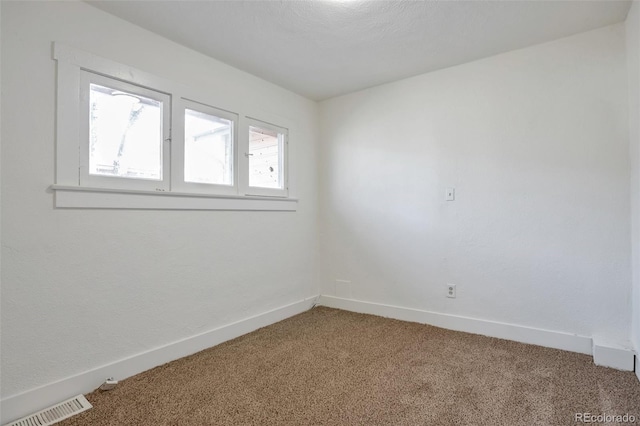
{"x":534,"y":142}
{"x":83,"y":288}
{"x":633,"y":68}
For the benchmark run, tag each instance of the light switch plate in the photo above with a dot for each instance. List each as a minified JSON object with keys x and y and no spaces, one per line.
{"x":450,"y":194}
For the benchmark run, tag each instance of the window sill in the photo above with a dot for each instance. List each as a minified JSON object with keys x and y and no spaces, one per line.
{"x":76,"y":197}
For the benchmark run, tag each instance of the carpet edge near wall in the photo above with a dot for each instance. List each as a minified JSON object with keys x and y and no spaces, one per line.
{"x":614,"y":356}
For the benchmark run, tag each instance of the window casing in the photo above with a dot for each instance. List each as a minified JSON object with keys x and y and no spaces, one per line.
{"x":129,"y":139}
{"x":205,"y":149}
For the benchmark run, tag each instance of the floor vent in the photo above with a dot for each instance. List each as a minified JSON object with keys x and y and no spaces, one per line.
{"x":54,"y":414}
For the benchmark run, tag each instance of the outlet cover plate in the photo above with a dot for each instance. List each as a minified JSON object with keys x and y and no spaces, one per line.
{"x":451,"y":291}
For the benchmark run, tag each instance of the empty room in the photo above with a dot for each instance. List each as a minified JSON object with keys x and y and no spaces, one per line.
{"x":340,"y":212}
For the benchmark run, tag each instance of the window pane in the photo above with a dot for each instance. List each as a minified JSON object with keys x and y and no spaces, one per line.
{"x":125,"y":134}
{"x":208,"y":148}
{"x":265,"y":158}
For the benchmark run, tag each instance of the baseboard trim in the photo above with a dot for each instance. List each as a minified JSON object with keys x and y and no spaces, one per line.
{"x":518,"y":333}
{"x":637,"y":367}
{"x":20,"y":405}
{"x":612,"y":355}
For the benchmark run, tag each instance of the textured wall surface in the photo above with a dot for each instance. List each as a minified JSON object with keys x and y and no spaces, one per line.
{"x":534,"y":142}
{"x":633,"y":69}
{"x":83,"y":288}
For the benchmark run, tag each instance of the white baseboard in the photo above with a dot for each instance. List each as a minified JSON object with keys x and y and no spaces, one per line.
{"x":518,"y":333}
{"x":612,"y":355}
{"x":20,"y":405}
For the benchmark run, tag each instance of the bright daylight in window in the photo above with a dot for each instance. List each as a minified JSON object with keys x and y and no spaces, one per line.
{"x":208,"y":148}
{"x":125,"y":134}
{"x":265,"y":158}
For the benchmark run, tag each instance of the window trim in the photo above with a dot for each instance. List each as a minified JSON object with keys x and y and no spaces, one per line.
{"x":180,"y":185}
{"x":79,"y":197}
{"x":71,"y":192}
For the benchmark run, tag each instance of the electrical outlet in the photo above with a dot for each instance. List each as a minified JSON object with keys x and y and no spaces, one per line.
{"x":451,"y":291}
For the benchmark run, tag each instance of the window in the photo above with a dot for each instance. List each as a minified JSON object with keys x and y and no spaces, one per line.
{"x":129,"y":139}
{"x":267,"y":159}
{"x":123,"y":133}
{"x":208,"y":148}
{"x":205,"y":149}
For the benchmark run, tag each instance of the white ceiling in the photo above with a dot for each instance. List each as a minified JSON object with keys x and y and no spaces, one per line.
{"x":322,"y":49}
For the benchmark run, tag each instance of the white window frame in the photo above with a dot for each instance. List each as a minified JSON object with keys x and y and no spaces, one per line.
{"x":178,"y":182}
{"x":101,"y":181}
{"x":284,"y":162}
{"x":75,"y":188}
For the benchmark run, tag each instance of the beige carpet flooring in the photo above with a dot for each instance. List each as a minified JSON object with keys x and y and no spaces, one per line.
{"x":331,"y":367}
